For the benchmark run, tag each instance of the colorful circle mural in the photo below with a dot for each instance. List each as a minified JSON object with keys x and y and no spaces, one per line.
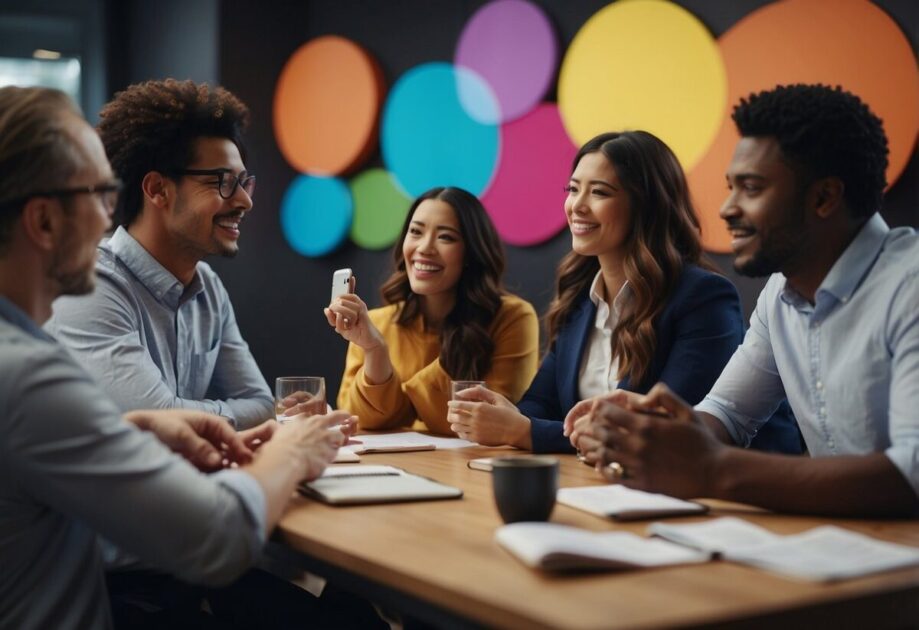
{"x":479,"y":122}
{"x":316,"y":214}
{"x":431,"y":139}
{"x":856,"y":46}
{"x":326,"y":104}
{"x":511,"y":44}
{"x":526,"y":199}
{"x":379,"y":209}
{"x":644,"y":64}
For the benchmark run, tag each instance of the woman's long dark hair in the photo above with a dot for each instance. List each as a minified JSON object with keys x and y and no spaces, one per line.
{"x":466,"y":346}
{"x":664,"y":235}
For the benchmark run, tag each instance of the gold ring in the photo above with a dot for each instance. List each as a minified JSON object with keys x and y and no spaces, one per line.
{"x":614,"y":471}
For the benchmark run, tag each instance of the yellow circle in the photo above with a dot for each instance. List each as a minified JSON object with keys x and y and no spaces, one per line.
{"x":644,"y":64}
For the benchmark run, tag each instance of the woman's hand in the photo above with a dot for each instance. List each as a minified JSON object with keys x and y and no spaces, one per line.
{"x":488,"y":418}
{"x":347,"y":314}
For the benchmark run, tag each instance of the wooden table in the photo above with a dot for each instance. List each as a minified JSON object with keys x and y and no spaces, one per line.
{"x":438,"y":561}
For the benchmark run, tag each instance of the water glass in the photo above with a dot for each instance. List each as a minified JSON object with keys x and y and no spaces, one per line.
{"x":299,"y":394}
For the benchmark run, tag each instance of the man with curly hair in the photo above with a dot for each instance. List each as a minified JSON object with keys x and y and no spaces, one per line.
{"x":160,"y":331}
{"x":72,"y":467}
{"x":835,"y":330}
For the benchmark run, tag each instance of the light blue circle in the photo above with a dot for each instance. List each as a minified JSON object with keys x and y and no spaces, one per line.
{"x":429,"y":138}
{"x":316,"y":214}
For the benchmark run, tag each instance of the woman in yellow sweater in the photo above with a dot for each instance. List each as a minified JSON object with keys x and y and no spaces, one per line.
{"x":446,"y":318}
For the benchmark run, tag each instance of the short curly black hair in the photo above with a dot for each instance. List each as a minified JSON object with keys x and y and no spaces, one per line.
{"x":153,"y":126}
{"x":823,"y":132}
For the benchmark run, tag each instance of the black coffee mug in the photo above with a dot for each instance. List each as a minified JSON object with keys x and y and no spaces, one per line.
{"x":525,"y":487}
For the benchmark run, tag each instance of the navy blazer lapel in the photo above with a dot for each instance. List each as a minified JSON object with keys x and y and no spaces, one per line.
{"x":572,"y":342}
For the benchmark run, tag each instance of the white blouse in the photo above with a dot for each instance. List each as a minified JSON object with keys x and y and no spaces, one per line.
{"x":599,"y":368}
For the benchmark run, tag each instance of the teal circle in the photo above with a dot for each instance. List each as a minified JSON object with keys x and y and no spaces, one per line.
{"x":429,"y":137}
{"x":316,"y":214}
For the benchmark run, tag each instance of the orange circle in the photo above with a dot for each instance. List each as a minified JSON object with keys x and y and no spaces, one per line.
{"x":326,"y":106}
{"x":851,"y":43}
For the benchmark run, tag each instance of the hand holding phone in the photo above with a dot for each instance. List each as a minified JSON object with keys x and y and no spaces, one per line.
{"x":341,"y":283}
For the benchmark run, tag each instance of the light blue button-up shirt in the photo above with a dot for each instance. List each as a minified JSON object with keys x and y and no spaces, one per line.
{"x":71,"y":468}
{"x":153,"y":343}
{"x":848,"y":364}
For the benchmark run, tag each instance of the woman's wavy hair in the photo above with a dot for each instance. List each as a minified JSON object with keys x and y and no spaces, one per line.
{"x":664,"y":236}
{"x":466,"y":345}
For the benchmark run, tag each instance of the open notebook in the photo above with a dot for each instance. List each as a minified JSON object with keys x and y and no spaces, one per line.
{"x":554,"y":547}
{"x":356,"y":484}
{"x":821,"y":554}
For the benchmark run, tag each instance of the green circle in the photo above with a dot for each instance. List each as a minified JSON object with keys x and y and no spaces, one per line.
{"x":379,"y":209}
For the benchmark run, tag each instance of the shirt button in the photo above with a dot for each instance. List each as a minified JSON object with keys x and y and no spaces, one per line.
{"x":819,"y":384}
{"x":822,"y":411}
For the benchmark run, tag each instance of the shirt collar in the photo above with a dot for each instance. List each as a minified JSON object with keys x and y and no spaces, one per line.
{"x":147,"y":269}
{"x":851,"y":267}
{"x":17,"y":317}
{"x":597,"y":291}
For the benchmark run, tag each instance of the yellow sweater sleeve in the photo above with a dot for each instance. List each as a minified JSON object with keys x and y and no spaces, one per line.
{"x":420,"y":388}
{"x":381,"y":406}
{"x":514,"y":363}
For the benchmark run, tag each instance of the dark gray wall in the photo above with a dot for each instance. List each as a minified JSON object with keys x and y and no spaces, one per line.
{"x":278,"y":294}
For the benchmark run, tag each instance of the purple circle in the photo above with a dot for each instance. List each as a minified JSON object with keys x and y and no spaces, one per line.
{"x":512,"y":45}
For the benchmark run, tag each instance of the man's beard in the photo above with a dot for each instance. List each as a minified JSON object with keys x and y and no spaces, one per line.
{"x":779,"y":247}
{"x":71,"y":282}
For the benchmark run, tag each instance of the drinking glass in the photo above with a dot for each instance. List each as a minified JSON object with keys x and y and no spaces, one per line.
{"x":458,"y":386}
{"x":298,"y":394}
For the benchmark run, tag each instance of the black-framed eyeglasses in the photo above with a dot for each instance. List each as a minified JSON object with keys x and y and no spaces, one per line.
{"x":226,"y":180}
{"x":108,"y":192}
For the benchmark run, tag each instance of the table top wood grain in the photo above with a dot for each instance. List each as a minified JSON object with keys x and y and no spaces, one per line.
{"x":443,"y":554}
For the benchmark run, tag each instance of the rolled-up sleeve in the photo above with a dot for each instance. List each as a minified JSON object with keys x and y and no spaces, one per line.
{"x":749,"y":389}
{"x":69,"y":448}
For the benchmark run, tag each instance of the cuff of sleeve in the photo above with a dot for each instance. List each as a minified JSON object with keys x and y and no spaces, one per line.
{"x":906,"y":458}
{"x":244,"y":486}
{"x":717,"y":408}
{"x":548,"y":436}
{"x":223,"y":409}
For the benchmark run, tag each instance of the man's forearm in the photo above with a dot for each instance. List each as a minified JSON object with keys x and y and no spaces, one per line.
{"x":278,"y":477}
{"x":852,"y":485}
{"x":717,"y":428}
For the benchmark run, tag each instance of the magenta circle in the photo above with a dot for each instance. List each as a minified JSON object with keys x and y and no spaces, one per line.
{"x":526,"y":198}
{"x":512,"y":45}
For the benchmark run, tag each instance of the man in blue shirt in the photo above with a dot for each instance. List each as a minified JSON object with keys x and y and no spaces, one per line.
{"x":159,"y":331}
{"x":71,"y":466}
{"x":835,"y":330}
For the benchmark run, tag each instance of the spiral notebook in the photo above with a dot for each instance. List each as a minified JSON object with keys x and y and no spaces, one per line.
{"x":360,"y":485}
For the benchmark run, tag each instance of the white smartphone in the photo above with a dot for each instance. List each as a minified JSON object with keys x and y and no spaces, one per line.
{"x":341,"y":283}
{"x":482,"y":463}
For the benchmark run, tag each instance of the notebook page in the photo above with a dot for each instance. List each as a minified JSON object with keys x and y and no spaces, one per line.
{"x":827,"y":553}
{"x":551,"y":546}
{"x":718,"y":535}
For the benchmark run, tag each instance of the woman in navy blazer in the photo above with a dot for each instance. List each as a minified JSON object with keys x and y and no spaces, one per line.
{"x":635,"y":302}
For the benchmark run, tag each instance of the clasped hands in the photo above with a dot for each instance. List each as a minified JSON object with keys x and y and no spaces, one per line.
{"x":654,"y":442}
